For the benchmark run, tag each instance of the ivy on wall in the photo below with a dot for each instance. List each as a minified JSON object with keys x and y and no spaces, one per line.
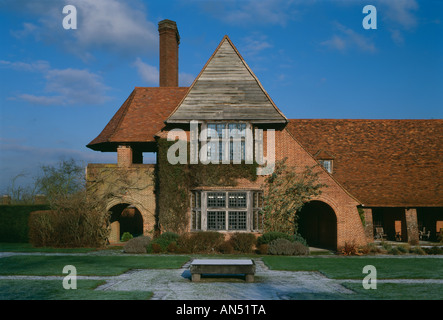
{"x":174,"y":183}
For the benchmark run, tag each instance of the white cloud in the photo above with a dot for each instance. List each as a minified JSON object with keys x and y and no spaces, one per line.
{"x":397,"y":36}
{"x":185,"y":79}
{"x":63,"y":86}
{"x":76,"y":86}
{"x":37,"y":66}
{"x":28,"y":28}
{"x":148,"y":73}
{"x":32,"y":157}
{"x":336,"y":42}
{"x":254,"y":44}
{"x":401,"y":12}
{"x":114,"y":26}
{"x":348,"y":38}
{"x":268,"y":12}
{"x":41,"y":100}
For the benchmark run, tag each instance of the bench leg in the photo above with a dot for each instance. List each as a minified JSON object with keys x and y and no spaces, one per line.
{"x":196,"y":277}
{"x":249,"y":278}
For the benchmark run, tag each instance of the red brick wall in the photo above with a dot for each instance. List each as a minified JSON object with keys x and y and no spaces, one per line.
{"x":124,"y":156}
{"x":349,"y":225}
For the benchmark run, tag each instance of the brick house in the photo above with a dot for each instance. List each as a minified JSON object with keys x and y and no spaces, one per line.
{"x":379,"y":173}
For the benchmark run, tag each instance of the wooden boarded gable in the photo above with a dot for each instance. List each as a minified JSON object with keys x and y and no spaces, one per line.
{"x":227,"y":89}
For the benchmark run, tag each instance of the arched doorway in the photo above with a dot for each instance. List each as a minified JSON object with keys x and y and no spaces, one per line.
{"x":125,"y":218}
{"x":317,"y":223}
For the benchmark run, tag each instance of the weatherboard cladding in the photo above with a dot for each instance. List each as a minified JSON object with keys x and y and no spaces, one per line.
{"x":226,"y":89}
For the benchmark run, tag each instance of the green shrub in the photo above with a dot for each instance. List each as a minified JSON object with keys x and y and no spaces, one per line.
{"x":75,"y":221}
{"x":263,"y":249}
{"x":165,"y":239}
{"x":298,"y":238}
{"x":286,"y":247}
{"x":403,"y":249}
{"x":370,"y":248}
{"x":226,"y":248}
{"x":200,"y":242}
{"x":385,"y":245}
{"x":126,"y":236}
{"x":268,"y":237}
{"x":169,"y":236}
{"x":14,"y":222}
{"x":172,"y":247}
{"x":434,"y":250}
{"x":394,"y":251}
{"x":154,"y":248}
{"x":417,"y":250}
{"x":243,"y":242}
{"x":137,"y":245}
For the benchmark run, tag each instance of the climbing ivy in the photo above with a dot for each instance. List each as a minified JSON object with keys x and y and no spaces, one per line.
{"x":174,"y":183}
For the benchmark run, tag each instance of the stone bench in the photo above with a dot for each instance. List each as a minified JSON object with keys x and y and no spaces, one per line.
{"x":222,"y":267}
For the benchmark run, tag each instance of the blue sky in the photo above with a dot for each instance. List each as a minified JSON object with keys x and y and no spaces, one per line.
{"x":59,"y":88}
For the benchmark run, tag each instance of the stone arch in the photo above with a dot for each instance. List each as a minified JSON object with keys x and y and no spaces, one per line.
{"x":125,"y":217}
{"x":317,"y":223}
{"x":147,"y":214}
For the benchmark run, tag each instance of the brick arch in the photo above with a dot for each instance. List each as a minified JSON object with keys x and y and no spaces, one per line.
{"x":317,"y":223}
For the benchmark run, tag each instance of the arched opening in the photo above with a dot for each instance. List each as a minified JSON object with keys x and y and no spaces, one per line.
{"x":317,"y":223}
{"x":125,"y":218}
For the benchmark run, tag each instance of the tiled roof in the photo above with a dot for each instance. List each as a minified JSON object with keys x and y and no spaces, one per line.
{"x":381,"y":162}
{"x":140,"y":117}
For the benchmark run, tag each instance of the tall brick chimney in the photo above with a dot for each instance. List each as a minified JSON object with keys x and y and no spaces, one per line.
{"x":169,"y":41}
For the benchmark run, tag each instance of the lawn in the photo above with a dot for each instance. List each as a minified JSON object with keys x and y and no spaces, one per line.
{"x":352,"y":267}
{"x":334,"y":267}
{"x":53,"y":290}
{"x":40,"y":265}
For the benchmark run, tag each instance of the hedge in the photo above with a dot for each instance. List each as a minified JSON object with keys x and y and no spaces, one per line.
{"x":14,"y":222}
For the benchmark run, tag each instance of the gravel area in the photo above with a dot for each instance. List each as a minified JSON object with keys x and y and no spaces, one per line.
{"x":268,"y":284}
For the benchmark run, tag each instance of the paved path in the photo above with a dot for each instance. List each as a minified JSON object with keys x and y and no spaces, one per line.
{"x":268,"y":285}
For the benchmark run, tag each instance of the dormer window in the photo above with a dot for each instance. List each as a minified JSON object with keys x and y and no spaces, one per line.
{"x":327,"y":164}
{"x":325,"y":158}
